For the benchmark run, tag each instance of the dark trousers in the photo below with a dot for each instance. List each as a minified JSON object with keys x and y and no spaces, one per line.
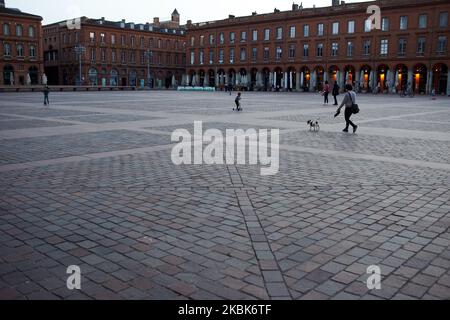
{"x":335,"y":100}
{"x":348,"y":115}
{"x":325,"y":97}
{"x":46,"y":101}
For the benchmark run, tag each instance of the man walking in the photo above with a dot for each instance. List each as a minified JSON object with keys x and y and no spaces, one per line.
{"x":46,"y":93}
{"x":336,"y":89}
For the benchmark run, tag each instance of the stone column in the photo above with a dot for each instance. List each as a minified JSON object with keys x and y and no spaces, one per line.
{"x":356,"y":80}
{"x":297,"y":81}
{"x":410,"y":84}
{"x":285,"y":78}
{"x":341,"y":80}
{"x":429,"y":82}
{"x":448,"y":84}
{"x":325,"y":76}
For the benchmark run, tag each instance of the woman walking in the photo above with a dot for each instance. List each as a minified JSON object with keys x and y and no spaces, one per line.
{"x":349,"y":102}
{"x":326,"y":92}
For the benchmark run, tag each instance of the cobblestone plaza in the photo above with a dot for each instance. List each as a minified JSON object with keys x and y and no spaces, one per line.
{"x":89,"y":181}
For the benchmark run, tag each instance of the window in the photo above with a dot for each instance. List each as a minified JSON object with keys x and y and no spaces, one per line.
{"x":279,"y":53}
{"x":384,"y":47}
{"x":254,"y":54}
{"x":192,"y":41}
{"x":423,"y":21}
{"x":92,"y":36}
{"x":403,"y":22}
{"x":103,"y":54}
{"x":20,"y":50}
{"x":221,"y":56}
{"x":222,"y":38}
{"x":211,"y":39}
{"x":402,"y":47}
{"x":211,"y":57}
{"x":279,"y":33}
{"x":443,"y":19}
{"x":292,"y":32}
{"x":113,"y":39}
{"x":366,"y":47}
{"x":32,"y":51}
{"x":192,"y":57}
{"x":334,"y":49}
{"x":31,"y":31}
{"x":350,"y":49}
{"x":159,"y":43}
{"x":306,"y":31}
{"x":232,"y":37}
{"x":266,"y":54}
{"x":202,"y":40}
{"x":243,"y":36}
{"x":442,"y":44}
{"x":368,"y":25}
{"x":320,"y":50}
{"x":102,"y":37}
{"x":202,"y":56}
{"x":351,"y":27}
{"x":243,"y":54}
{"x":123,"y":56}
{"x":133,"y":41}
{"x":255,"y":35}
{"x":113,"y":56}
{"x":65,"y":38}
{"x":93,"y":55}
{"x":421,"y":42}
{"x":306,"y":50}
{"x":320,"y":29}
{"x":132,"y":57}
{"x":123,"y":40}
{"x":385,"y":24}
{"x":336,"y":28}
{"x":266,"y":34}
{"x":6,"y":50}
{"x":232,"y":55}
{"x":19,"y":30}
{"x":292,"y":52}
{"x":6,"y":29}
{"x":142,"y":42}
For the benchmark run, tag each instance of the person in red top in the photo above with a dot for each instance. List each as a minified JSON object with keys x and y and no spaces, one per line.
{"x":326,"y":92}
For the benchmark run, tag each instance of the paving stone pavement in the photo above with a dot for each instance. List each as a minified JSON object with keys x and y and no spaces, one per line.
{"x":90,"y":182}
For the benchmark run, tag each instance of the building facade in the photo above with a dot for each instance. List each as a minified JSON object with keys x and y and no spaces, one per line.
{"x":21,"y":59}
{"x":115,"y":53}
{"x":302,"y":48}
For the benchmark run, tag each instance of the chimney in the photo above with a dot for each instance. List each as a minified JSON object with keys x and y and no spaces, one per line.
{"x":2,"y":3}
{"x":156,"y":20}
{"x":294,"y":7}
{"x":335,"y":3}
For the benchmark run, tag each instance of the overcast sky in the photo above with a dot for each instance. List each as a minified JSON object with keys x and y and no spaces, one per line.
{"x":141,"y":11}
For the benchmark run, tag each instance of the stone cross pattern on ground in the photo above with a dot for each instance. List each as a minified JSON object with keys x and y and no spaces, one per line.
{"x":89,"y":181}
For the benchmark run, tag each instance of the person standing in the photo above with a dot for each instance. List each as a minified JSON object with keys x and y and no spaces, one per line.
{"x":46,"y":94}
{"x":326,"y":92}
{"x":336,"y":89}
{"x":348,"y":102}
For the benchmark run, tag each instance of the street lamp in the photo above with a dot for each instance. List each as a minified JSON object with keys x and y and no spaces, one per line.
{"x":148,"y":54}
{"x":79,"y":50}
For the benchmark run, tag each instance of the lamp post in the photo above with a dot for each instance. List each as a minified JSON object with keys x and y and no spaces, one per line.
{"x":148,"y":54}
{"x":79,"y":50}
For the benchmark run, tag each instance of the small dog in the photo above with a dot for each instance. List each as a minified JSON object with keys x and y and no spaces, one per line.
{"x":313,"y":125}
